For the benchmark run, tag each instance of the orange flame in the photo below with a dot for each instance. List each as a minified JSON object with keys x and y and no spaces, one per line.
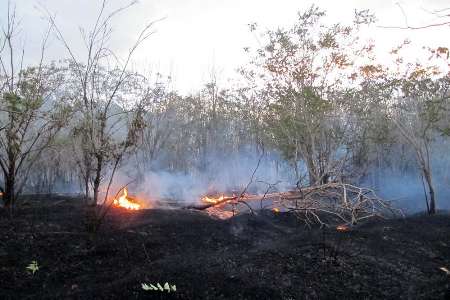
{"x":212,"y":200}
{"x":276,"y":210}
{"x":125,"y":201}
{"x":343,"y":228}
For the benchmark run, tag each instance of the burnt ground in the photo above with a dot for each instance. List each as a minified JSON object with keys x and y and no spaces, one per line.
{"x":268,"y":256}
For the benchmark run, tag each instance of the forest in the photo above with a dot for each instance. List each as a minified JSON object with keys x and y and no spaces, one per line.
{"x":321,"y":157}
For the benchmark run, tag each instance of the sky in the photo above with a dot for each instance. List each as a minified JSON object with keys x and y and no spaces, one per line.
{"x":196,"y":38}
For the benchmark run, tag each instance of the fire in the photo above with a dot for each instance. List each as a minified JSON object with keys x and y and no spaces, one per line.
{"x":276,"y":210}
{"x":212,"y":200}
{"x":343,"y":228}
{"x":126,"y":202}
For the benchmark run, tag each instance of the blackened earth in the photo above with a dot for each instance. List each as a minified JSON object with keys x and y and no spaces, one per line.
{"x":264,"y":256}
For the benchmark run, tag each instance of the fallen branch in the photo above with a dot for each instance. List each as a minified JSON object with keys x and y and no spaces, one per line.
{"x":208,"y":205}
{"x":347,"y":203}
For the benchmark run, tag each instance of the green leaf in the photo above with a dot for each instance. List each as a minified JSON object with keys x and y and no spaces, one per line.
{"x":167,"y":287}
{"x":33,"y":267}
{"x":160,"y":287}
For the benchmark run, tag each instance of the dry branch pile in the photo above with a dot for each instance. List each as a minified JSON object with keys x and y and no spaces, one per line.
{"x":348,"y":203}
{"x":345,"y":203}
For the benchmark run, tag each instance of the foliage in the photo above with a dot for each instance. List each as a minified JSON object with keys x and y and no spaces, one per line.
{"x":301,"y":73}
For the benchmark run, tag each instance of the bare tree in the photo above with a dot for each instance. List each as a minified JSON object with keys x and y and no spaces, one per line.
{"x":104,"y":81}
{"x":443,"y":15}
{"x":28,"y":122}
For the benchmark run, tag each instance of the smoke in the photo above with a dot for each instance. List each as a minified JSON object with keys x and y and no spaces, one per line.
{"x":218,"y":174}
{"x":408,"y":192}
{"x":405,"y":186}
{"x":230,"y":173}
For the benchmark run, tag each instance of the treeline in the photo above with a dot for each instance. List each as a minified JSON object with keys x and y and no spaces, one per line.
{"x":315,"y":93}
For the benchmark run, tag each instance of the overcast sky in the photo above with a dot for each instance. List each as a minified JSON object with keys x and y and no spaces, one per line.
{"x":198,"y":35}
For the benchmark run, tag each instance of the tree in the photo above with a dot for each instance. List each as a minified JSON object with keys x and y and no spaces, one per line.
{"x":301,"y":73}
{"x":415,"y":100}
{"x":30,"y":115}
{"x":111,"y":99}
{"x":415,"y":116}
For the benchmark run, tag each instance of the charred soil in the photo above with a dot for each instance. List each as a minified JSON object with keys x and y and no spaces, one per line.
{"x":264,"y":256}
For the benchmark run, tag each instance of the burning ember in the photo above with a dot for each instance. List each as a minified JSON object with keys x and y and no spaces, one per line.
{"x":212,"y":200}
{"x":343,"y":228}
{"x":126,"y":202}
{"x":225,"y":207}
{"x":219,"y":206}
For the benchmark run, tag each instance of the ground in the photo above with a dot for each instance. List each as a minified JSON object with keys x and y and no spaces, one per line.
{"x":265,"y":256}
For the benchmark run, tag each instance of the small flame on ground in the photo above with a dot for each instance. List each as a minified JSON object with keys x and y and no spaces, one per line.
{"x":276,"y":210}
{"x":125,"y":202}
{"x":212,"y":200}
{"x":342,"y":228}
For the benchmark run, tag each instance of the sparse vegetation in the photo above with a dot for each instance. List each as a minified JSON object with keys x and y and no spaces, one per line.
{"x":331,"y":127}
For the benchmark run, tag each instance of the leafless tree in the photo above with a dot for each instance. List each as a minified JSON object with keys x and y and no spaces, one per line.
{"x":104,"y":81}
{"x":443,"y":15}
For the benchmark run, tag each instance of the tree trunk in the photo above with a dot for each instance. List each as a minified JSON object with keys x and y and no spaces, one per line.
{"x":97,"y":180}
{"x":86,"y":186}
{"x":325,"y":178}
{"x":9,"y":193}
{"x":297,"y":173}
{"x":427,"y":175}
{"x":312,"y":172}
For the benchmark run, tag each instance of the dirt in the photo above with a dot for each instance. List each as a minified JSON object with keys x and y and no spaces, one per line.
{"x":265,"y":256}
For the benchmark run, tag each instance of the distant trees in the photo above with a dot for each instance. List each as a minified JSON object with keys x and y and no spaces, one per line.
{"x":161,"y":118}
{"x":184,"y":132}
